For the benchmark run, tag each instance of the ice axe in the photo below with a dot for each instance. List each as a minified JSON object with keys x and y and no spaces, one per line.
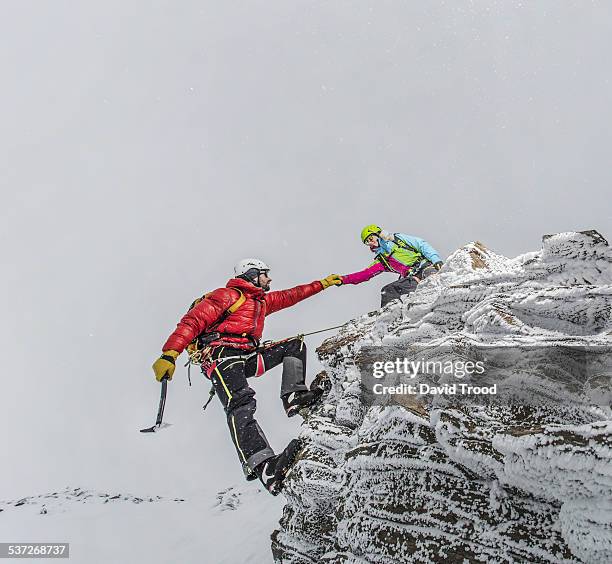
{"x":160,"y":412}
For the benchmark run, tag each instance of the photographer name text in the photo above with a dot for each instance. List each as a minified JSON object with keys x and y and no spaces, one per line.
{"x":457,"y":388}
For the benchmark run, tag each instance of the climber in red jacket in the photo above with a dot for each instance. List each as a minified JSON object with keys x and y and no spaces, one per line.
{"x":230,"y":322}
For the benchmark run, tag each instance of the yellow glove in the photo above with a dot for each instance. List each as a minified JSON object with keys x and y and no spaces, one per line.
{"x":164,"y":365}
{"x":331,"y":280}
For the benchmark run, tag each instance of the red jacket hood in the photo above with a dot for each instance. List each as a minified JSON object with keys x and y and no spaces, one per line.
{"x":245,"y":287}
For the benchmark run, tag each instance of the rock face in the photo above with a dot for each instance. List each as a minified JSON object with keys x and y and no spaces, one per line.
{"x":437,"y":481}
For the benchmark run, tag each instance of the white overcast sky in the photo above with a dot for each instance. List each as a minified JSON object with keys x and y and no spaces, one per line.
{"x":147,"y":146}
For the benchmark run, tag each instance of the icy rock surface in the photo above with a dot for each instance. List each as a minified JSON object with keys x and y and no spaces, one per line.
{"x":414,"y":483}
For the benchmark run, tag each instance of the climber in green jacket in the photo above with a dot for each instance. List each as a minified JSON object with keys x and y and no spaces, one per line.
{"x":411,"y":257}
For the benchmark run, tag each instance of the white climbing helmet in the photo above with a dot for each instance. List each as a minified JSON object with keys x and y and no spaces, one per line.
{"x":249,"y":263}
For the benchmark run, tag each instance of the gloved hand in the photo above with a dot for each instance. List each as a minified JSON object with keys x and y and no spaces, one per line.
{"x":164,"y":365}
{"x":331,"y":280}
{"x":438,"y":265}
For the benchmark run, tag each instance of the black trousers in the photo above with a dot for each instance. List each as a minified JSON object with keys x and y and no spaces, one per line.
{"x":403,"y":286}
{"x":228,"y":373}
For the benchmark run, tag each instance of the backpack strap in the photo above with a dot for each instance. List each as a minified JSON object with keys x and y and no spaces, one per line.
{"x":238,"y":303}
{"x":194,"y":348}
{"x":401,"y":243}
{"x":382,"y":260}
{"x":417,"y":267}
{"x":231,"y":309}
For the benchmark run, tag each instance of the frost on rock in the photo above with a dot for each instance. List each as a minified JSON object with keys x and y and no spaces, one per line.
{"x":443,"y":483}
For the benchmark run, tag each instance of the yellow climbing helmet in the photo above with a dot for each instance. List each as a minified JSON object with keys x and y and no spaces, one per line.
{"x":369,"y":230}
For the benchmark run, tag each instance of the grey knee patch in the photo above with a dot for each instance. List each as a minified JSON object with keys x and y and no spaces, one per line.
{"x":256,"y":459}
{"x":293,"y":376}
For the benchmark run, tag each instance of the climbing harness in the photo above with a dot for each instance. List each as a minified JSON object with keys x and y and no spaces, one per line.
{"x":415,"y":269}
{"x":203,"y":356}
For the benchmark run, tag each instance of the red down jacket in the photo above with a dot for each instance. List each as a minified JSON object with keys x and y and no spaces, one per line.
{"x":248,"y":319}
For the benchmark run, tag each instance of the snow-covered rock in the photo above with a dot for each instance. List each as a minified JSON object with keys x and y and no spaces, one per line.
{"x":437,"y":480}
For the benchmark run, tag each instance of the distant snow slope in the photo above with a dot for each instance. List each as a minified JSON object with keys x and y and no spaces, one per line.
{"x":444,"y":482}
{"x":229,"y":527}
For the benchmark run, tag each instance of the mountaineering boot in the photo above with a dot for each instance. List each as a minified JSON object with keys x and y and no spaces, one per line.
{"x":295,"y":401}
{"x":272,"y":472}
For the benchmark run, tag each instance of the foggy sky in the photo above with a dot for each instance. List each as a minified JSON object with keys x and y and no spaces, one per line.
{"x":146,"y":147}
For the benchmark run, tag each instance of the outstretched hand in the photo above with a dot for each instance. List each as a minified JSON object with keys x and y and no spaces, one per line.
{"x":331,"y":280}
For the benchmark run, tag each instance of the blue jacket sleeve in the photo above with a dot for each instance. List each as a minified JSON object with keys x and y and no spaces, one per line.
{"x":421,"y":245}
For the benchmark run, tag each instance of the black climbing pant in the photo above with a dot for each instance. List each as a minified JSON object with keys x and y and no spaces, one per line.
{"x":228,"y":373}
{"x":403,"y":286}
